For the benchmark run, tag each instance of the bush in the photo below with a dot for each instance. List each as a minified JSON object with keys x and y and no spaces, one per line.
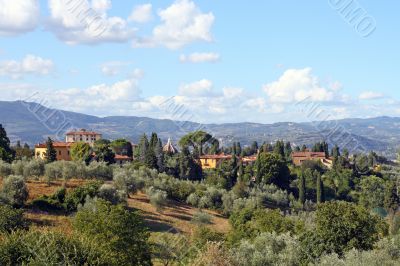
{"x":201,"y":218}
{"x":11,"y":219}
{"x":54,"y":171}
{"x":128,"y":181}
{"x":267,"y":249}
{"x":5,"y":169}
{"x":51,"y":203}
{"x":121,"y":230}
{"x":100,"y":171}
{"x":18,"y":167}
{"x":203,"y":234}
{"x":14,"y":191}
{"x":193,"y":200}
{"x":34,"y":168}
{"x":51,"y":248}
{"x":110,"y":193}
{"x":158,"y":198}
{"x":78,"y":196}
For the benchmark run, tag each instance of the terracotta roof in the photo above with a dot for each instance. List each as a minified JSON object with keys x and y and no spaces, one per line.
{"x":82,"y":133}
{"x":309,"y":154}
{"x":122,"y":157}
{"x":216,"y":156}
{"x":56,"y":144}
{"x":249,"y":158}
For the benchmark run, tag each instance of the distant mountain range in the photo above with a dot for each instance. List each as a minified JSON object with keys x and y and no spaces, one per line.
{"x":32,"y":123}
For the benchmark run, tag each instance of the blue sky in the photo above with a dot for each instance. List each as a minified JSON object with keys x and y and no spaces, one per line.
{"x":222,"y":61}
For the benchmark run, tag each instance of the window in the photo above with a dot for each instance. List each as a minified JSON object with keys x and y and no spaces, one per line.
{"x":59,"y":152}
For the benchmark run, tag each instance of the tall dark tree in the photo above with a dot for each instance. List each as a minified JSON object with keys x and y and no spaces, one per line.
{"x":51,"y":153}
{"x":241,"y":171}
{"x":238,"y":149}
{"x":6,"y":153}
{"x":233,"y":173}
{"x":320,"y":188}
{"x":288,"y":151}
{"x":254,"y":147}
{"x":270,"y":168}
{"x":302,"y":189}
{"x":188,"y":167}
{"x":392,"y":200}
{"x":335,"y":151}
{"x":304,"y":147}
{"x":196,"y":140}
{"x":153,"y":141}
{"x":279,"y":148}
{"x":104,"y":153}
{"x":143,"y":147}
{"x":160,"y":157}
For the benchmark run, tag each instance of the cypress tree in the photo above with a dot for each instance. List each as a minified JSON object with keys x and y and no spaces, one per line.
{"x":51,"y":153}
{"x":143,"y":147}
{"x":6,"y":153}
{"x":302,"y":189}
{"x":160,"y":156}
{"x":320,"y":189}
{"x":392,"y":200}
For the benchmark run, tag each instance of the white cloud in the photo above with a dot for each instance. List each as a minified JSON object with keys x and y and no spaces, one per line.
{"x":141,"y":13}
{"x":30,"y":64}
{"x":297,"y":85}
{"x":182,"y":23}
{"x":199,"y":58}
{"x":112,"y":68}
{"x":370,"y":95}
{"x":18,"y":17}
{"x":198,"y":88}
{"x":87,"y":22}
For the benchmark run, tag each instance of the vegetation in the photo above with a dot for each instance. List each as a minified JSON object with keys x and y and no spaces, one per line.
{"x":278,"y":213}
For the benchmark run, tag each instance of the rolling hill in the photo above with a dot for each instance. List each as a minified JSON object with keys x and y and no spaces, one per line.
{"x":32,"y":123}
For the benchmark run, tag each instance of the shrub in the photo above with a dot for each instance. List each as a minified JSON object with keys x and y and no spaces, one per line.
{"x":34,"y":168}
{"x":11,"y":219}
{"x":51,"y":248}
{"x":18,"y":167}
{"x":5,"y":169}
{"x":100,"y":171}
{"x":158,"y":198}
{"x":267,"y":249}
{"x":110,"y":193}
{"x":193,"y":200}
{"x":78,"y":196}
{"x":202,"y":235}
{"x":128,"y":182}
{"x":51,"y":203}
{"x":53,"y":171}
{"x":121,"y":230}
{"x":14,"y":191}
{"x":201,"y":218}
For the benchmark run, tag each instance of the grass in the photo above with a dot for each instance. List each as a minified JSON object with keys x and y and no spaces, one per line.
{"x":175,"y":216}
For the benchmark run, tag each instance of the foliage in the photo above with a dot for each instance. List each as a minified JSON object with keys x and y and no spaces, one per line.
{"x":11,"y":219}
{"x":51,"y":203}
{"x":267,"y":249}
{"x":111,"y":194}
{"x":104,"y":153}
{"x":51,"y":248}
{"x":121,"y":230}
{"x":14,"y":191}
{"x":271,"y":169}
{"x":158,"y":198}
{"x":51,"y":153}
{"x":372,"y":192}
{"x":341,"y":226}
{"x":79,"y":195}
{"x":99,"y":171}
{"x":5,"y":169}
{"x":81,"y":152}
{"x":6,"y":153}
{"x":201,"y":218}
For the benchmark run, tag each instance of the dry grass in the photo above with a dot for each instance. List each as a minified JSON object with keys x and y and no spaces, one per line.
{"x":176,"y":217}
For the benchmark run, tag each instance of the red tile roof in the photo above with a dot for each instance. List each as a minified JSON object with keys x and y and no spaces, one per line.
{"x":82,"y":133}
{"x":122,"y":157}
{"x":216,"y":156}
{"x":56,"y":144}
{"x":309,"y":154}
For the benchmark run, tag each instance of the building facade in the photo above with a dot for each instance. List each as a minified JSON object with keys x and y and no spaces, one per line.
{"x":82,"y":136}
{"x":62,"y":149}
{"x":299,"y":157}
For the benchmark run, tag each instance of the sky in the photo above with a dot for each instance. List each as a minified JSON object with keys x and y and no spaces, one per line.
{"x":205,"y":61}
